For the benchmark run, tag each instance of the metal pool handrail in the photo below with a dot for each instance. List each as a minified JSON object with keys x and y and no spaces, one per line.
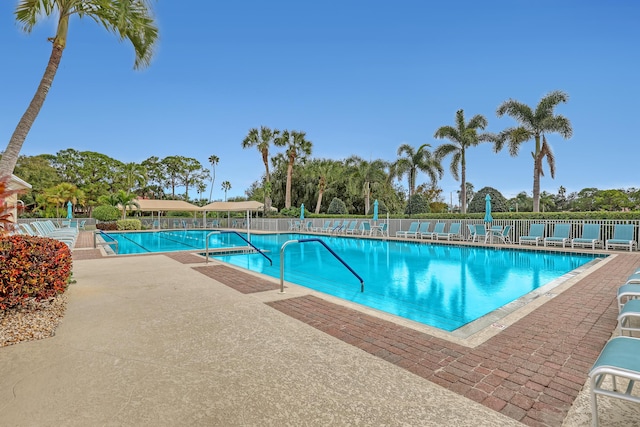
{"x":103,"y":234}
{"x":237,"y":234}
{"x":323,"y":244}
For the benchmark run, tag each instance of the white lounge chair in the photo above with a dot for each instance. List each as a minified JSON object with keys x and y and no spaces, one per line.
{"x":590,"y":236}
{"x":560,"y":235}
{"x":536,"y":234}
{"x":622,"y":237}
{"x":413,"y":228}
{"x":454,"y":232}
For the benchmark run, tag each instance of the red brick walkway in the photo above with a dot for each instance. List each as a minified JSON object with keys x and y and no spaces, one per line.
{"x":241,"y":282}
{"x":532,"y":371}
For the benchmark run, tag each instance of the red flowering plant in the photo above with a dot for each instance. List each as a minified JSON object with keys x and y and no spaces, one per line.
{"x":30,"y":267}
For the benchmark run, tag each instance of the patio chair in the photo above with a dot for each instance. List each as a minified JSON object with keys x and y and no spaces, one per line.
{"x":536,"y":234}
{"x":627,"y":292}
{"x":437,"y":229}
{"x":590,"y":236}
{"x":351,"y":229}
{"x":413,"y":228}
{"x":619,"y":360}
{"x":365,"y":228}
{"x":480,"y":233}
{"x":630,"y":311}
{"x":336,"y":226}
{"x":560,"y":235}
{"x":622,"y":237}
{"x":502,"y":234}
{"x":454,"y":232}
{"x":308,"y":226}
{"x":383,"y":229}
{"x":472,"y":231}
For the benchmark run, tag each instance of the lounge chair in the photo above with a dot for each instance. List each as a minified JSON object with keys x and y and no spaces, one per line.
{"x":560,"y":235}
{"x":423,"y":229}
{"x":622,"y":237}
{"x":630,"y":310}
{"x":536,"y":234}
{"x":618,"y":359}
{"x":325,"y":227}
{"x":502,"y":234}
{"x":413,"y":228}
{"x":335,"y":226}
{"x":352,"y":228}
{"x":308,"y":226}
{"x":480,"y":233}
{"x":590,"y":236}
{"x":627,"y":292}
{"x":437,"y":229}
{"x":454,"y":232}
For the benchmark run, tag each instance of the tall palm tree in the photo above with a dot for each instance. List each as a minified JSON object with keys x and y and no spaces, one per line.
{"x":365,"y":174}
{"x":262,"y":140}
{"x":125,"y":200}
{"x":131,"y":20}
{"x":213,"y":159}
{"x":326,"y":172}
{"x":226,"y":186}
{"x":462,"y":136}
{"x":134,"y":175}
{"x":414,"y":161}
{"x":298,"y":148}
{"x":535,"y":124}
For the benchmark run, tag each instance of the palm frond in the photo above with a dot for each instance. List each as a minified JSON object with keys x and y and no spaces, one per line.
{"x":546,"y":151}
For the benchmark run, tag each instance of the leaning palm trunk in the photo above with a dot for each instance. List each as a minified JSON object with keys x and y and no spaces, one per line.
{"x":10,"y":155}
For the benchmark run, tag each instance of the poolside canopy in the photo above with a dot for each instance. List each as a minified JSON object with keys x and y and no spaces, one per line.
{"x":249,"y":205}
{"x":150,"y":205}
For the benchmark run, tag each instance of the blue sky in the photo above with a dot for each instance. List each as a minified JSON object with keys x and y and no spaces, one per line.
{"x":358,"y":76}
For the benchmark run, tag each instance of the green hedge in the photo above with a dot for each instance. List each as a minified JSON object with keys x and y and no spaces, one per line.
{"x":129,"y":224}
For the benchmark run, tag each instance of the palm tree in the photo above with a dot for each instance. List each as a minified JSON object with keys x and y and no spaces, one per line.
{"x":131,"y":20}
{"x":125,"y":200}
{"x":134,"y":174}
{"x":63,"y":193}
{"x":462,"y":136}
{"x":298,"y":148}
{"x":226,"y":186}
{"x":326,"y":172}
{"x":535,"y":124}
{"x":414,"y":161}
{"x":262,"y":140}
{"x":365,"y":174}
{"x":213,"y":159}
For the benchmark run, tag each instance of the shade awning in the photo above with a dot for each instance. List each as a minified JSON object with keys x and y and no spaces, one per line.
{"x":249,"y":205}
{"x":149,"y":205}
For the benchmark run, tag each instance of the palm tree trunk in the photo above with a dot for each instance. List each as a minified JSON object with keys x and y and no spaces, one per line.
{"x":537,"y":168}
{"x":287,"y":196}
{"x":463,"y":185}
{"x":11,"y":153}
{"x":320,"y":194}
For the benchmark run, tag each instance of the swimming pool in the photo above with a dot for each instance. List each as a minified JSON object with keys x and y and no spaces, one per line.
{"x":441,"y":285}
{"x":172,"y":240}
{"x":445,"y":286}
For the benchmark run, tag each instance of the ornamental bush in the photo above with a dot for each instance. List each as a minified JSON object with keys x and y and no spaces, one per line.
{"x":107,"y":226}
{"x":106,"y":213}
{"x":32,"y":267}
{"x":337,"y":207}
{"x":129,"y":224}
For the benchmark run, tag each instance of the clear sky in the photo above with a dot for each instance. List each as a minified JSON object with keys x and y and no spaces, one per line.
{"x":358,"y":76}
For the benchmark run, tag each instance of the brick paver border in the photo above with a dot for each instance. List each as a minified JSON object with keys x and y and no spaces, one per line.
{"x":241,"y":282}
{"x":532,"y":371}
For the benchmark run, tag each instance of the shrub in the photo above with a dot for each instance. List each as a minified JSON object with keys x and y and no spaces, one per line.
{"x":337,"y":207}
{"x":417,"y":205}
{"x":107,"y":226}
{"x":129,"y":224}
{"x":478,"y":203}
{"x":32,"y":267}
{"x":106,"y":213}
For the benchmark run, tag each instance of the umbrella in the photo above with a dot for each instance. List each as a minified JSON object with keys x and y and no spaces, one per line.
{"x":375,"y":210}
{"x":302,"y":211}
{"x":69,"y":210}
{"x":487,"y":209}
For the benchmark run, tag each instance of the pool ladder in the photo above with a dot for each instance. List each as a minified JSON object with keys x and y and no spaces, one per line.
{"x":284,"y":245}
{"x":237,"y":234}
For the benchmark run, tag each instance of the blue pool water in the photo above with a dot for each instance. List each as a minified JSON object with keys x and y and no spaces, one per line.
{"x":445,"y":286}
{"x":171,"y":241}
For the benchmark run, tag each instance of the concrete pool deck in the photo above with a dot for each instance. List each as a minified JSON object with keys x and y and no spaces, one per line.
{"x":168,"y":340}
